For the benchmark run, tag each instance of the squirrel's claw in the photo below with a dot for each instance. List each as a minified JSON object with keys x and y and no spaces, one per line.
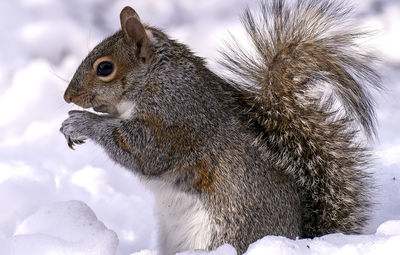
{"x":79,"y":141}
{"x":70,"y":144}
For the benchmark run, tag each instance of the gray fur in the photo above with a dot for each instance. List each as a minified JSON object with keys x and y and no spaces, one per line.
{"x":262,"y":152}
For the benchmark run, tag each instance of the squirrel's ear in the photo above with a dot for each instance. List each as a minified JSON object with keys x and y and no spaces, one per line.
{"x":135,"y":33}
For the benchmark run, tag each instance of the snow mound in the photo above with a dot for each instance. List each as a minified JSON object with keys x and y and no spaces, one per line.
{"x":61,"y":228}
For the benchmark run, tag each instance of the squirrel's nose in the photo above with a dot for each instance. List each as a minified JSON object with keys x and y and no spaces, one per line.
{"x":68,"y":96}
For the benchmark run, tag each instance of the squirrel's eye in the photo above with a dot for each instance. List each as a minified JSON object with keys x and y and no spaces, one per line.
{"x":105,"y":68}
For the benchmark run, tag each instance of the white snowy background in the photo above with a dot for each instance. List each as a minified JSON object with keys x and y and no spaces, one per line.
{"x":57,"y":201}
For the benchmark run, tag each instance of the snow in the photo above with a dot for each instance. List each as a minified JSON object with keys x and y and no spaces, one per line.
{"x":65,"y":228}
{"x":58,"y":201}
{"x":385,"y":241}
{"x":225,"y":249}
{"x":329,"y":244}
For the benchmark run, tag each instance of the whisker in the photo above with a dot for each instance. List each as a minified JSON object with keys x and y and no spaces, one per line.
{"x":88,"y":40}
{"x":57,"y":75}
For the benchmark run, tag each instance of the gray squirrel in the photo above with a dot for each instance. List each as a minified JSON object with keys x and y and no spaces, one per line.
{"x":267,"y":151}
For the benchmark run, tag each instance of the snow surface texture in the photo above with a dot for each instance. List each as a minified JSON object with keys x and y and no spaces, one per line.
{"x":42,"y":180}
{"x":63,"y":228}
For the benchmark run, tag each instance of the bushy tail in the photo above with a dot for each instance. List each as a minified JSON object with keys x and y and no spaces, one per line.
{"x":298,"y":47}
{"x":306,"y":83}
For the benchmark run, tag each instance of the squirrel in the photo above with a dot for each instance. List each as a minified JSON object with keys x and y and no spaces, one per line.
{"x":273,"y":148}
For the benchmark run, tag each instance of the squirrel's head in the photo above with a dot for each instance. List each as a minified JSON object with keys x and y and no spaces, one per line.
{"x":100,"y":81}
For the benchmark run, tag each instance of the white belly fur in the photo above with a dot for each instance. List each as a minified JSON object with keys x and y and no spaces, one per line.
{"x":184,"y":223}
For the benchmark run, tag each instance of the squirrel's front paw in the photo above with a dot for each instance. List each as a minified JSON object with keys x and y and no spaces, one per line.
{"x":76,"y":127}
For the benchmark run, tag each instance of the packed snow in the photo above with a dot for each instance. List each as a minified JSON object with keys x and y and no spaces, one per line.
{"x":58,"y":201}
{"x":63,"y":228}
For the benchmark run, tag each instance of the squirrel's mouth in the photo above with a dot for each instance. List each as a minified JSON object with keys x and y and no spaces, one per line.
{"x":105,"y":108}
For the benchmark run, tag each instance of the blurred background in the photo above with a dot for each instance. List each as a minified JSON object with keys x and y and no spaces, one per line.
{"x":42,"y":43}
